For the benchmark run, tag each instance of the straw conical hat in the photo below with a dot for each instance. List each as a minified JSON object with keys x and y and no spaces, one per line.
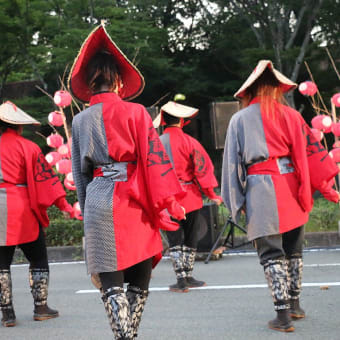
{"x":98,"y":40}
{"x":176,"y":110}
{"x":285,"y":83}
{"x":10,"y":113}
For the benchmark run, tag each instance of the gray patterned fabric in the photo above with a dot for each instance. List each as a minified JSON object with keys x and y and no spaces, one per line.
{"x":38,"y":279}
{"x":88,"y":132}
{"x":238,"y":188}
{"x":3,"y":216}
{"x":118,"y":311}
{"x":176,"y":256}
{"x":5,"y":289}
{"x":295,"y":267}
{"x":189,"y":255}
{"x":137,"y":299}
{"x":276,"y":274}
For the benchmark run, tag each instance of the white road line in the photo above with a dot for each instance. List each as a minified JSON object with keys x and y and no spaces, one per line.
{"x":250,"y":286}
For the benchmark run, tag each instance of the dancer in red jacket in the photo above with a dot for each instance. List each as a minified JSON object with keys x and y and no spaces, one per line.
{"x":28,"y":186}
{"x":124,"y":180}
{"x":195,"y":172}
{"x":271,"y":165}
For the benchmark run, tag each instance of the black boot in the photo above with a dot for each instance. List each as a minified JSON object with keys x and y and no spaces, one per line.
{"x":276,"y":274}
{"x":180,"y":287}
{"x":189,"y":255}
{"x":296,"y":312}
{"x":193,"y":283}
{"x":6,"y":305}
{"x":39,"y":288}
{"x":295,"y":266}
{"x":137,"y":298}
{"x":282,"y":322}
{"x":118,"y":311}
{"x":176,"y":256}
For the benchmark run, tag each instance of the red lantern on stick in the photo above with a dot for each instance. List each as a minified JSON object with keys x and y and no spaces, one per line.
{"x":64,"y":166}
{"x":317,"y":134}
{"x":77,"y":211}
{"x":336,"y":129}
{"x":308,"y":88}
{"x":55,"y":118}
{"x":336,"y":99}
{"x":64,"y":150}
{"x":52,"y":158}
{"x":336,"y":144}
{"x":335,"y":154}
{"x":54,"y":140}
{"x":62,"y":98}
{"x":322,"y":122}
{"x":69,"y":185}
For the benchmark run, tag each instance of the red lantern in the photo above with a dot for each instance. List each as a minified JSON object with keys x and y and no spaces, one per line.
{"x":322,"y":122}
{"x":335,"y":154}
{"x":64,"y":166}
{"x":317,"y":134}
{"x":77,"y":211}
{"x":53,"y":157}
{"x":336,"y":129}
{"x":336,"y":144}
{"x":62,"y":98}
{"x":54,"y":140}
{"x":308,"y":88}
{"x":55,"y":118}
{"x":69,"y":185}
{"x":69,"y":177}
{"x":336,"y":99}
{"x":64,"y":150}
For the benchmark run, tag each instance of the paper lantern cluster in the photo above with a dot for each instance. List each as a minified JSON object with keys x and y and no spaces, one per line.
{"x":60,"y":157}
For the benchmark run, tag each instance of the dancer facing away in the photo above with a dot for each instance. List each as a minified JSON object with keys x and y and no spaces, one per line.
{"x":195,"y":172}
{"x":28,"y":186}
{"x":124,"y":180}
{"x":271,"y":165}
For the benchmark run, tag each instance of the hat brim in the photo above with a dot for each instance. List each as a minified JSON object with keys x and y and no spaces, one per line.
{"x":285,"y":83}
{"x":98,"y":39}
{"x":11,"y":114}
{"x":176,"y":110}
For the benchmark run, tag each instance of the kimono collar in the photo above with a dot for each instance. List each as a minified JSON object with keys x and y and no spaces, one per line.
{"x":105,"y":97}
{"x":173,"y":129}
{"x":255,"y":100}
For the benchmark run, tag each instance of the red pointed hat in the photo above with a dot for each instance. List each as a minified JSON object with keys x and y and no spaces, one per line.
{"x":98,"y":39}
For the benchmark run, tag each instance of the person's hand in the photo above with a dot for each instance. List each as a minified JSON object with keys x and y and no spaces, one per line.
{"x":218,"y":200}
{"x":66,"y":215}
{"x":176,"y":210}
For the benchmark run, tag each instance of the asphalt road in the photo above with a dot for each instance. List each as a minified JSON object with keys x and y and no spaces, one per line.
{"x":235,"y":305}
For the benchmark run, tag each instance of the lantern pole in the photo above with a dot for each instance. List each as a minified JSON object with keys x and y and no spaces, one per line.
{"x":65,"y":124}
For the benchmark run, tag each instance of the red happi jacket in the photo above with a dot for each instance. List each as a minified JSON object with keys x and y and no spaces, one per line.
{"x":28,"y":186}
{"x":193,"y":167}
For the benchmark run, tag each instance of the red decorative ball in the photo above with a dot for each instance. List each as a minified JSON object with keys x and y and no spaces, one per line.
{"x":53,"y":157}
{"x":322,"y":122}
{"x":317,"y":134}
{"x":69,"y":185}
{"x":64,"y":166}
{"x":62,"y":98}
{"x":308,"y":88}
{"x":336,"y":129}
{"x":54,"y":140}
{"x":55,"y":118}
{"x":77,"y":211}
{"x":64,"y":150}
{"x":336,"y":99}
{"x":335,"y":154}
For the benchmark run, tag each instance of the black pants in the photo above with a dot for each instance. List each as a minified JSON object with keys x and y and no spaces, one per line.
{"x":138,"y":275}
{"x":286,"y":245}
{"x":187,"y":234}
{"x":35,"y":252}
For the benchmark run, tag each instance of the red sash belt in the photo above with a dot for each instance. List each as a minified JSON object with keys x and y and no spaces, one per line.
{"x":272,"y":166}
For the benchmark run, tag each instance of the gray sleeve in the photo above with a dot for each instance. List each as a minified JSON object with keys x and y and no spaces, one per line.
{"x":233,"y":182}
{"x":81,"y":168}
